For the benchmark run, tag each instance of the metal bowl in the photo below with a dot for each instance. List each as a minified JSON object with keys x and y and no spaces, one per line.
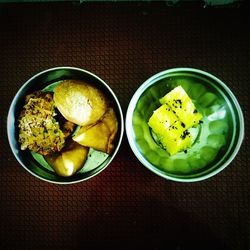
{"x":34,"y":163}
{"x":216,"y":141}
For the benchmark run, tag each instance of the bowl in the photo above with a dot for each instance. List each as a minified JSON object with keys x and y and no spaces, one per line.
{"x":34,"y":163}
{"x":215,"y":142}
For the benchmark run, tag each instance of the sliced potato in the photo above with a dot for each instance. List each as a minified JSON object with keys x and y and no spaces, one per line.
{"x":80,"y":102}
{"x":100,"y":136}
{"x":70,"y":160}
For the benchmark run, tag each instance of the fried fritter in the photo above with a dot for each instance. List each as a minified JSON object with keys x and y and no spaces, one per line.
{"x":38,"y":129}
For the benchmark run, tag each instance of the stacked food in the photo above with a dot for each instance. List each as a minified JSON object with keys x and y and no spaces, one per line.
{"x":48,"y":122}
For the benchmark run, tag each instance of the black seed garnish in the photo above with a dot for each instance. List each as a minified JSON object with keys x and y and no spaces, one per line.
{"x":185,"y":134}
{"x":183,"y":125}
{"x":195,"y":111}
{"x":178,"y":101}
{"x":185,"y":151}
{"x":173,"y":127}
{"x":200,"y":122}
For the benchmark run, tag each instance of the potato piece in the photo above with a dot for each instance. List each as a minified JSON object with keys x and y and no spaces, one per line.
{"x":80,"y":102}
{"x":101,"y":136}
{"x":70,"y":160}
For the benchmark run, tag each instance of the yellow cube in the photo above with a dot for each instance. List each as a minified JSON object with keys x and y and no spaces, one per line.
{"x":182,"y":106}
{"x":170,"y":131}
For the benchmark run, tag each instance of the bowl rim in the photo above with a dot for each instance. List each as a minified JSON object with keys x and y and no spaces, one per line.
{"x":10,"y":121}
{"x":149,"y":82}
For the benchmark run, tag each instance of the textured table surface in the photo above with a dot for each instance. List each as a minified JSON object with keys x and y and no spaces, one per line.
{"x":125,"y":206}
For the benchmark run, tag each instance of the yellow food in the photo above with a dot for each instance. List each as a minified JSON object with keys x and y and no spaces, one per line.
{"x":66,"y":126}
{"x":100,"y":136}
{"x":48,"y":120}
{"x":169,"y":130}
{"x":38,"y":129}
{"x":182,"y":106}
{"x":162,"y":118}
{"x":70,"y":160}
{"x":171,"y":121}
{"x":80,"y":102}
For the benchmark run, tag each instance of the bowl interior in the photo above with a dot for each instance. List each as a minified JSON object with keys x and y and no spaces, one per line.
{"x":215,"y":141}
{"x":35,"y":163}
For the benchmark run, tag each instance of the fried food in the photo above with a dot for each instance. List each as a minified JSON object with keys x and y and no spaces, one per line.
{"x":70,"y":160}
{"x":100,"y":136}
{"x":38,"y":129}
{"x":48,"y":120}
{"x":66,"y":126}
{"x":80,"y":102}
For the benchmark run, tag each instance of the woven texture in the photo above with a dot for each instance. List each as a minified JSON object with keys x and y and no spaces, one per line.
{"x":126,"y":206}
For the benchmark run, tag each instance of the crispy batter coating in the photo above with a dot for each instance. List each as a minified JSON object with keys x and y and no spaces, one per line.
{"x":38,"y":129}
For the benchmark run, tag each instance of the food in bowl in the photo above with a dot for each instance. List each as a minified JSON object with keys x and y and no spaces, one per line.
{"x":35,"y":163}
{"x":70,"y":160}
{"x":80,"y":102}
{"x":182,"y":105}
{"x":100,"y":136}
{"x":214,"y":143}
{"x":76,"y":103}
{"x":38,"y":129}
{"x":171,"y":121}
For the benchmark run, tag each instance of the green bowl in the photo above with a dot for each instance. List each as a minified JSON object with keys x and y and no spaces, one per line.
{"x":35,"y":163}
{"x":215,"y":142}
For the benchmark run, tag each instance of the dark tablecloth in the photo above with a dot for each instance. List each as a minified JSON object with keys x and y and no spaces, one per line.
{"x":126,"y":206}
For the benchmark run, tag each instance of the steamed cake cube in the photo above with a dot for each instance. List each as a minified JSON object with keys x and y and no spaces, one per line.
{"x":175,"y":138}
{"x":170,"y":131}
{"x":162,"y":118}
{"x":182,"y":106}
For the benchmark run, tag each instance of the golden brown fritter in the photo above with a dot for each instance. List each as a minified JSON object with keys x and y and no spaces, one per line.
{"x":38,"y":129}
